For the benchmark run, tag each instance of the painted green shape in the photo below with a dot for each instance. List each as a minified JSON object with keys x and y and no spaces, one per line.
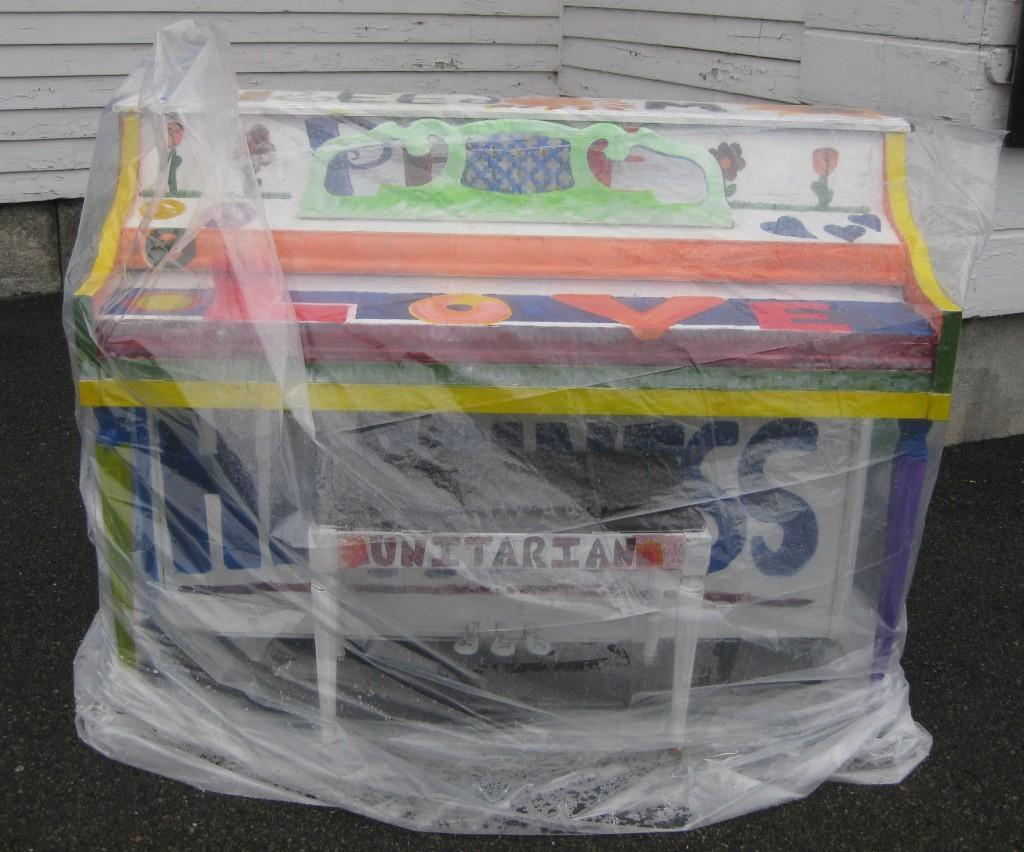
{"x":172,"y":171}
{"x":445,"y":197}
{"x":825,"y":195}
{"x":945,"y":352}
{"x":114,"y":482}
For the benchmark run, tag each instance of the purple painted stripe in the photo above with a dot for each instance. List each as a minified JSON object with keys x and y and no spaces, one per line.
{"x":906,"y":488}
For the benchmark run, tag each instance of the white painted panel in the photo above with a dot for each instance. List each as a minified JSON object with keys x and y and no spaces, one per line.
{"x":73,"y":60}
{"x":48,"y":123}
{"x":1002,"y":18}
{"x":772,"y":10}
{"x":757,"y":77}
{"x":26,"y":93}
{"x":902,"y":76}
{"x":39,"y":186}
{"x":997,"y":286}
{"x":117,"y":28}
{"x":961,"y":21}
{"x":45,"y":154}
{"x":749,"y":37}
{"x":474,"y":82}
{"x":1010,"y":189}
{"x":598,"y":84}
{"x":423,"y":7}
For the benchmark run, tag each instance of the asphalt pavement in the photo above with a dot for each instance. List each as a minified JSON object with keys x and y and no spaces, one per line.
{"x":964,"y":661}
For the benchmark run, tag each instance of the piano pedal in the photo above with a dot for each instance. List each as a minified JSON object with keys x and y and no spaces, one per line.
{"x":504,"y":645}
{"x":469,"y":643}
{"x":536,"y":644}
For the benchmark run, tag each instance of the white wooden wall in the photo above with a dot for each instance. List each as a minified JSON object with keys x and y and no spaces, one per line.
{"x":60,"y":60}
{"x":696,"y":49}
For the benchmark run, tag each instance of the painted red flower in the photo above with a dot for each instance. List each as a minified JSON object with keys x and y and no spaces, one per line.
{"x":825,"y":161}
{"x":730,"y":158}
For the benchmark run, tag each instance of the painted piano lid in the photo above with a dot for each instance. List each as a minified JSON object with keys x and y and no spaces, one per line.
{"x":650,"y":111}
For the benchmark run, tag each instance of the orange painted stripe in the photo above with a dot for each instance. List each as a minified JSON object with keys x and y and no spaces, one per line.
{"x":568,"y":257}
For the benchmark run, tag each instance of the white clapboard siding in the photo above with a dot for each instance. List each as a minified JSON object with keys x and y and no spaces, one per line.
{"x":496,"y":83}
{"x":45,"y":155}
{"x":423,"y":7}
{"x":743,"y":36}
{"x":701,"y":48}
{"x":936,"y":60}
{"x":50,"y":28}
{"x":598,"y":84}
{"x":39,"y":186}
{"x":49,"y":93}
{"x":772,"y":10}
{"x":69,"y":60}
{"x":742,"y":75}
{"x":48,"y":124}
{"x":66,"y":93}
{"x":997,"y":284}
{"x":907,"y":76}
{"x":62,"y":60}
{"x":961,"y":21}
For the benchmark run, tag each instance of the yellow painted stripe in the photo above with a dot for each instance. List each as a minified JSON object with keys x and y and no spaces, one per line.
{"x":938,"y":406}
{"x":654,"y":402}
{"x":124,"y":196}
{"x":899,"y":204}
{"x":166,"y":394}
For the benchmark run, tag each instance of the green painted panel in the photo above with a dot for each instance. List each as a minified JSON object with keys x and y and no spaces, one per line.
{"x":447,"y":197}
{"x":117,"y":497}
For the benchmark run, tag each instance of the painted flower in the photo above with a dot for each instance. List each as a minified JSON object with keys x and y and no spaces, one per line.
{"x":825,"y":161}
{"x":730,"y":158}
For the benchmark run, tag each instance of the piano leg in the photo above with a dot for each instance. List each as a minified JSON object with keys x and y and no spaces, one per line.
{"x":327,"y":639}
{"x":689,"y":602}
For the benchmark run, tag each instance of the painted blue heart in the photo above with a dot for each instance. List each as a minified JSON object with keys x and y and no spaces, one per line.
{"x":868,"y":220}
{"x":845,"y":232}
{"x":788,"y":226}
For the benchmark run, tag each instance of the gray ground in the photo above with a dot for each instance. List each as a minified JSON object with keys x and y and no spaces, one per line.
{"x":964,"y":661}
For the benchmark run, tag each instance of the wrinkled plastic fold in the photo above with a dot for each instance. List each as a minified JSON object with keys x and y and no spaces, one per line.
{"x":509,"y":465}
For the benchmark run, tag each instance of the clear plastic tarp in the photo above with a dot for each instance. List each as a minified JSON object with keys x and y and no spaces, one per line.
{"x":515,"y":464}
